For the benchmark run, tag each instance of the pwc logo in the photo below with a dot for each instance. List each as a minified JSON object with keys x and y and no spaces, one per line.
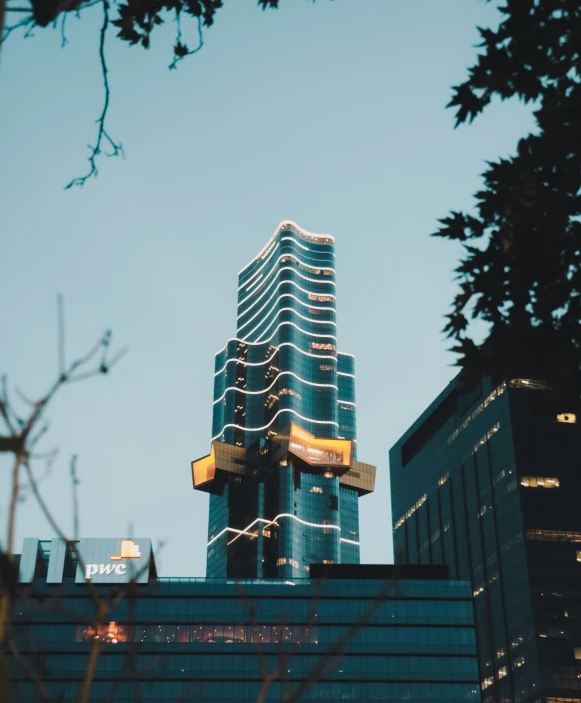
{"x":129,"y":550}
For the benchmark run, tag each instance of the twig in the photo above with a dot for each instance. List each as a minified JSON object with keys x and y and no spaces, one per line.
{"x":74,"y":484}
{"x":64,"y":41}
{"x":181,"y":50}
{"x":61,"y":318}
{"x":102,"y":133}
{"x":38,"y":682}
{"x":13,"y":501}
{"x":7,"y":30}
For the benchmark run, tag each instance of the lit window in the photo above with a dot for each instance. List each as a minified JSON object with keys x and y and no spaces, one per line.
{"x":529,"y":383}
{"x":328,"y":561}
{"x":442,"y":480}
{"x":539,"y":482}
{"x":320,"y":298}
{"x":502,"y":672}
{"x":487,"y":682}
{"x":325,"y":347}
{"x":265,"y":532}
{"x":554,"y":536}
{"x":290,"y":391}
{"x":577,"y":651}
{"x":313,"y":311}
{"x":316,"y":489}
{"x":326,"y":367}
{"x":567,"y":417}
{"x":578,"y":555}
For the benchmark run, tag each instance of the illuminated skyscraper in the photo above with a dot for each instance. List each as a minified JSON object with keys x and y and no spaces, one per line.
{"x":282,"y":472}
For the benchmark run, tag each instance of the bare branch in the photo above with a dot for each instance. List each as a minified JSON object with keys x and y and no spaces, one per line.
{"x":8,"y":29}
{"x":13,"y":501}
{"x":74,"y":484}
{"x":60,"y":306}
{"x":102,"y":134}
{"x":181,"y":50}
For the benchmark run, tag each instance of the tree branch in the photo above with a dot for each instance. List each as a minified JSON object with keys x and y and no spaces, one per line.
{"x":102,"y":134}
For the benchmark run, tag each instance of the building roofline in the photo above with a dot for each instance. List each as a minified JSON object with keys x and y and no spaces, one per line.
{"x":285,"y":224}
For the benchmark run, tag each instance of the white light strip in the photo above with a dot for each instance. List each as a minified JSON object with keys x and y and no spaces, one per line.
{"x":272,"y":522}
{"x":255,"y":282}
{"x":311,"y":334}
{"x":284,"y":283}
{"x":280,"y":270}
{"x":313,"y":265}
{"x":282,"y":373}
{"x":280,"y":297}
{"x":260,"y":269}
{"x":289,"y":224}
{"x":294,"y":241}
{"x":346,"y":402}
{"x":349,"y":541}
{"x":271,"y":323}
{"x":283,"y":410}
{"x":266,"y":361}
{"x":342,"y":373}
{"x":346,"y":354}
{"x":264,"y":341}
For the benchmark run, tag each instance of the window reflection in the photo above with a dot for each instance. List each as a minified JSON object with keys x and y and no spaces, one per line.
{"x":113,"y":633}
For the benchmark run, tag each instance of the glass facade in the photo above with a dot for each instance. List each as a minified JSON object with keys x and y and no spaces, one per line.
{"x":363,"y":639}
{"x":469,"y":485}
{"x":284,"y":367}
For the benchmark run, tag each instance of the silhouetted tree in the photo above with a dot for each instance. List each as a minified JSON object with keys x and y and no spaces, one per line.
{"x":135,"y":20}
{"x":521,"y":271}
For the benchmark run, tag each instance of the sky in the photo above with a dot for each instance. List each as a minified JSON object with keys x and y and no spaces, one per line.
{"x":330,"y":114}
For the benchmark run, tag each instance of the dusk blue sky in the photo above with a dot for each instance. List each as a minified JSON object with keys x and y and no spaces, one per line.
{"x":332,"y":115}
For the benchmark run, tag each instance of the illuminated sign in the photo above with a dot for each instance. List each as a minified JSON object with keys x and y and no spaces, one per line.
{"x":108,"y":561}
{"x":204,"y":469}
{"x":319,"y":451}
{"x":129,"y":550}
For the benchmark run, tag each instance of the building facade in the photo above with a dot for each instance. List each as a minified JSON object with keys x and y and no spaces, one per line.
{"x":285,"y":491}
{"x":360,"y":633}
{"x":487,"y":480}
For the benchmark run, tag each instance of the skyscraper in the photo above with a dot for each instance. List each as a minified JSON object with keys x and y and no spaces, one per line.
{"x":282,"y":472}
{"x":487,"y":481}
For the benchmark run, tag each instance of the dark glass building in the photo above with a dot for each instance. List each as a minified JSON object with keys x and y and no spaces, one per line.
{"x":282,"y":474}
{"x":488,"y":481}
{"x":362,"y":633}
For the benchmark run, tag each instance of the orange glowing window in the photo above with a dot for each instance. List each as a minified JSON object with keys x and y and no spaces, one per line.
{"x":319,"y":451}
{"x":204,"y":469}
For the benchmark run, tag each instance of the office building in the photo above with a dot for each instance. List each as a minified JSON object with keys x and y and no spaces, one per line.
{"x":282,"y":474}
{"x":350,"y":632}
{"x":488,"y":481}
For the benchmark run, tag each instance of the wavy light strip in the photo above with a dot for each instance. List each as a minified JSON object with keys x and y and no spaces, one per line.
{"x":288,"y":225}
{"x":264,"y":341}
{"x":283,"y":410}
{"x":349,"y":541}
{"x":347,"y":402}
{"x":282,"y":373}
{"x":288,"y":322}
{"x":280,"y":283}
{"x":312,"y":264}
{"x":266,"y":361}
{"x":300,"y":329}
{"x":271,"y":522}
{"x":279,"y":310}
{"x":260,"y":269}
{"x":280,"y":270}
{"x":342,"y":373}
{"x":280,"y":297}
{"x":285,"y":283}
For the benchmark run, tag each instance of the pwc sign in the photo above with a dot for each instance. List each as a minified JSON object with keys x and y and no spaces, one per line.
{"x":114,"y":560}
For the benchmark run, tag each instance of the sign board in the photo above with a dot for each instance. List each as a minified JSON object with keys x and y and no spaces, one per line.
{"x":114,"y":560}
